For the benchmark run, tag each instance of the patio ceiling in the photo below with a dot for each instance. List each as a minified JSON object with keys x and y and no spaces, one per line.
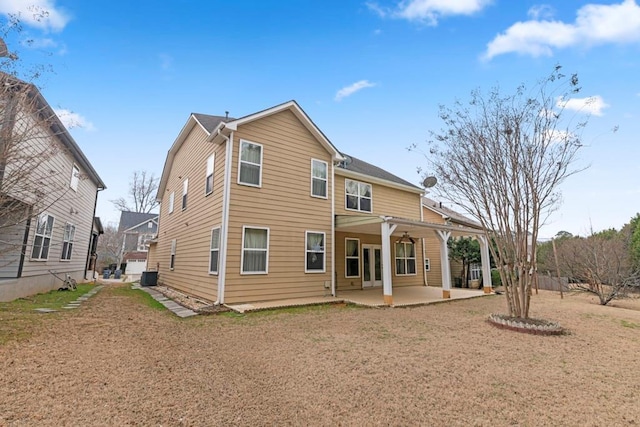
{"x":369,"y":224}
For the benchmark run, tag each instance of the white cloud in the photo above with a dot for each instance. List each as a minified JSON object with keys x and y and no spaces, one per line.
{"x":591,"y":105}
{"x":73,"y":120}
{"x":42,"y":14}
{"x":541,"y":11}
{"x":351,"y":89}
{"x":429,"y":11}
{"x":595,"y":24}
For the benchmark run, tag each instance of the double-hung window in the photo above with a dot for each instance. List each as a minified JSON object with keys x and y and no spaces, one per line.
{"x":185,"y":190}
{"x":42,"y":237}
{"x":255,"y":250}
{"x":67,"y":241}
{"x":358,"y":196}
{"x":208,"y":182}
{"x":405,"y":259}
{"x":315,"y":252}
{"x":215,"y":250}
{"x":75,"y":178}
{"x":250,"y":167}
{"x":427,"y":264}
{"x":319,"y":178}
{"x":352,"y":257}
{"x":172,"y":259}
{"x":171,"y":197}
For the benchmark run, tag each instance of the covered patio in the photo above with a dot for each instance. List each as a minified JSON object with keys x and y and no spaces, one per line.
{"x":407,"y":296}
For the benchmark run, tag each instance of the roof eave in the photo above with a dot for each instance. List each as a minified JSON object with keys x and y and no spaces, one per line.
{"x":387,"y":183}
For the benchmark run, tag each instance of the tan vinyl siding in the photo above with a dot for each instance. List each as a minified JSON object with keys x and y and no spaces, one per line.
{"x":388,"y":201}
{"x":284,"y":205}
{"x":350,"y":283}
{"x":190,"y":227}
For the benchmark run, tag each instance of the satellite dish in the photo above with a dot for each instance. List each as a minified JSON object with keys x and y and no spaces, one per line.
{"x":429,"y":182}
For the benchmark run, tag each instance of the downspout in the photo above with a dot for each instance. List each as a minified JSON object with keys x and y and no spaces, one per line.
{"x":224,"y":228}
{"x":333,"y":230}
{"x":86,"y":264}
{"x":424,"y":249}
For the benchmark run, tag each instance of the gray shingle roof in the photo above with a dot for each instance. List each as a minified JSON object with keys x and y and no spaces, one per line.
{"x":453,"y":215}
{"x":360,"y":166}
{"x":211,"y":122}
{"x":131,"y":219}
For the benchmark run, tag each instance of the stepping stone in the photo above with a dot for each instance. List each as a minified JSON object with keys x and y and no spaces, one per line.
{"x":185,"y":313}
{"x":68,"y":307}
{"x":45,"y":310}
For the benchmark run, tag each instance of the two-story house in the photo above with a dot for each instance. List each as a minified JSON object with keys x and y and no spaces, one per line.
{"x":48,"y":194}
{"x":265,"y":207}
{"x":137,"y":230}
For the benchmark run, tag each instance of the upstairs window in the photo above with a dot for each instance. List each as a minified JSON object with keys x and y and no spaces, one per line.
{"x":171,"y":197}
{"x":67,"y":241}
{"x":314,"y":252}
{"x":185,"y":189}
{"x":358,"y":196}
{"x":250,"y":168}
{"x":75,"y":178}
{"x":405,"y":259}
{"x":208,"y":182}
{"x":42,"y":237}
{"x":319,"y":178}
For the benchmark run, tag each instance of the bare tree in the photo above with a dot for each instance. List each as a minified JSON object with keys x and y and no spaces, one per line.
{"x":501,"y":158}
{"x":109,"y":246}
{"x":142,"y":191}
{"x":600,"y":264}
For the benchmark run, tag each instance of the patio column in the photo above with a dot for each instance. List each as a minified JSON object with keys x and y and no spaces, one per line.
{"x":486,"y":263}
{"x":385,"y":234}
{"x":443,"y":237}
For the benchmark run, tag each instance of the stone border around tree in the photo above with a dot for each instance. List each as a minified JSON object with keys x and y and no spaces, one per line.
{"x":528,"y":326}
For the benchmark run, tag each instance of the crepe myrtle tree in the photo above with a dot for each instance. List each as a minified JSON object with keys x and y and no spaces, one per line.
{"x":501,"y":158}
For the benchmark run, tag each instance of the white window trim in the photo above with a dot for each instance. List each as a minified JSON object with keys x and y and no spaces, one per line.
{"x":50,"y":237}
{"x":359,"y":197}
{"x":427,"y":264}
{"x":351,"y":257}
{"x":210,"y":171}
{"x":215,"y":273}
{"x":326,"y":180}
{"x":324,"y":251}
{"x":240,"y":161}
{"x":171,"y":200}
{"x":248,"y":273}
{"x":405,"y":258}
{"x":185,"y":193}
{"x":75,"y":178}
{"x":172,"y":256}
{"x":71,"y":241}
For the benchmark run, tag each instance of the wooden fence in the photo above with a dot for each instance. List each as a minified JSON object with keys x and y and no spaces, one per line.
{"x":552,"y":283}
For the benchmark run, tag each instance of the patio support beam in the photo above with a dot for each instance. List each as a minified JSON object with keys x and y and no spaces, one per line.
{"x":486,"y":263}
{"x":443,"y":237}
{"x":385,"y":234}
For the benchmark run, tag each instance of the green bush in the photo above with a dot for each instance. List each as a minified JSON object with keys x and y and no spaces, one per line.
{"x":495,"y":278}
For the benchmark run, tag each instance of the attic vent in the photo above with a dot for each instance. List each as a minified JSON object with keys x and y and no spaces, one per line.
{"x":226,"y":115}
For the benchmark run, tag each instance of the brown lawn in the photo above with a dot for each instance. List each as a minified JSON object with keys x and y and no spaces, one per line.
{"x":116,"y":361}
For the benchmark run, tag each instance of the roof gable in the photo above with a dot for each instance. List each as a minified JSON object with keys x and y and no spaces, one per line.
{"x":354,"y":166}
{"x":130,"y":220}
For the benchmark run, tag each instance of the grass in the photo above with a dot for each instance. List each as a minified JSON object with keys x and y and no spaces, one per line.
{"x":137,"y":295}
{"x":631,"y":325}
{"x":18,"y":318}
{"x":315,"y":308}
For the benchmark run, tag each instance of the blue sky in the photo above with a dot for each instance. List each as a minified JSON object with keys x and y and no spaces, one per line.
{"x":371,"y":75}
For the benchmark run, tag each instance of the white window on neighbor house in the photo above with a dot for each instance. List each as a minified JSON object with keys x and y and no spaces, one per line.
{"x":208,"y":182}
{"x":143,"y":242}
{"x":255,"y":250}
{"x":405,"y":259}
{"x":319,"y":173}
{"x":352,"y":257}
{"x":171,"y":197}
{"x":250,"y":167}
{"x":75,"y":178}
{"x":427,"y":264}
{"x":215,"y":251}
{"x":475,"y":271}
{"x":172,"y":259}
{"x":42,"y":237}
{"x":358,"y":196}
{"x":185,"y":190}
{"x":150,"y":224}
{"x":315,"y":252}
{"x":67,"y":241}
